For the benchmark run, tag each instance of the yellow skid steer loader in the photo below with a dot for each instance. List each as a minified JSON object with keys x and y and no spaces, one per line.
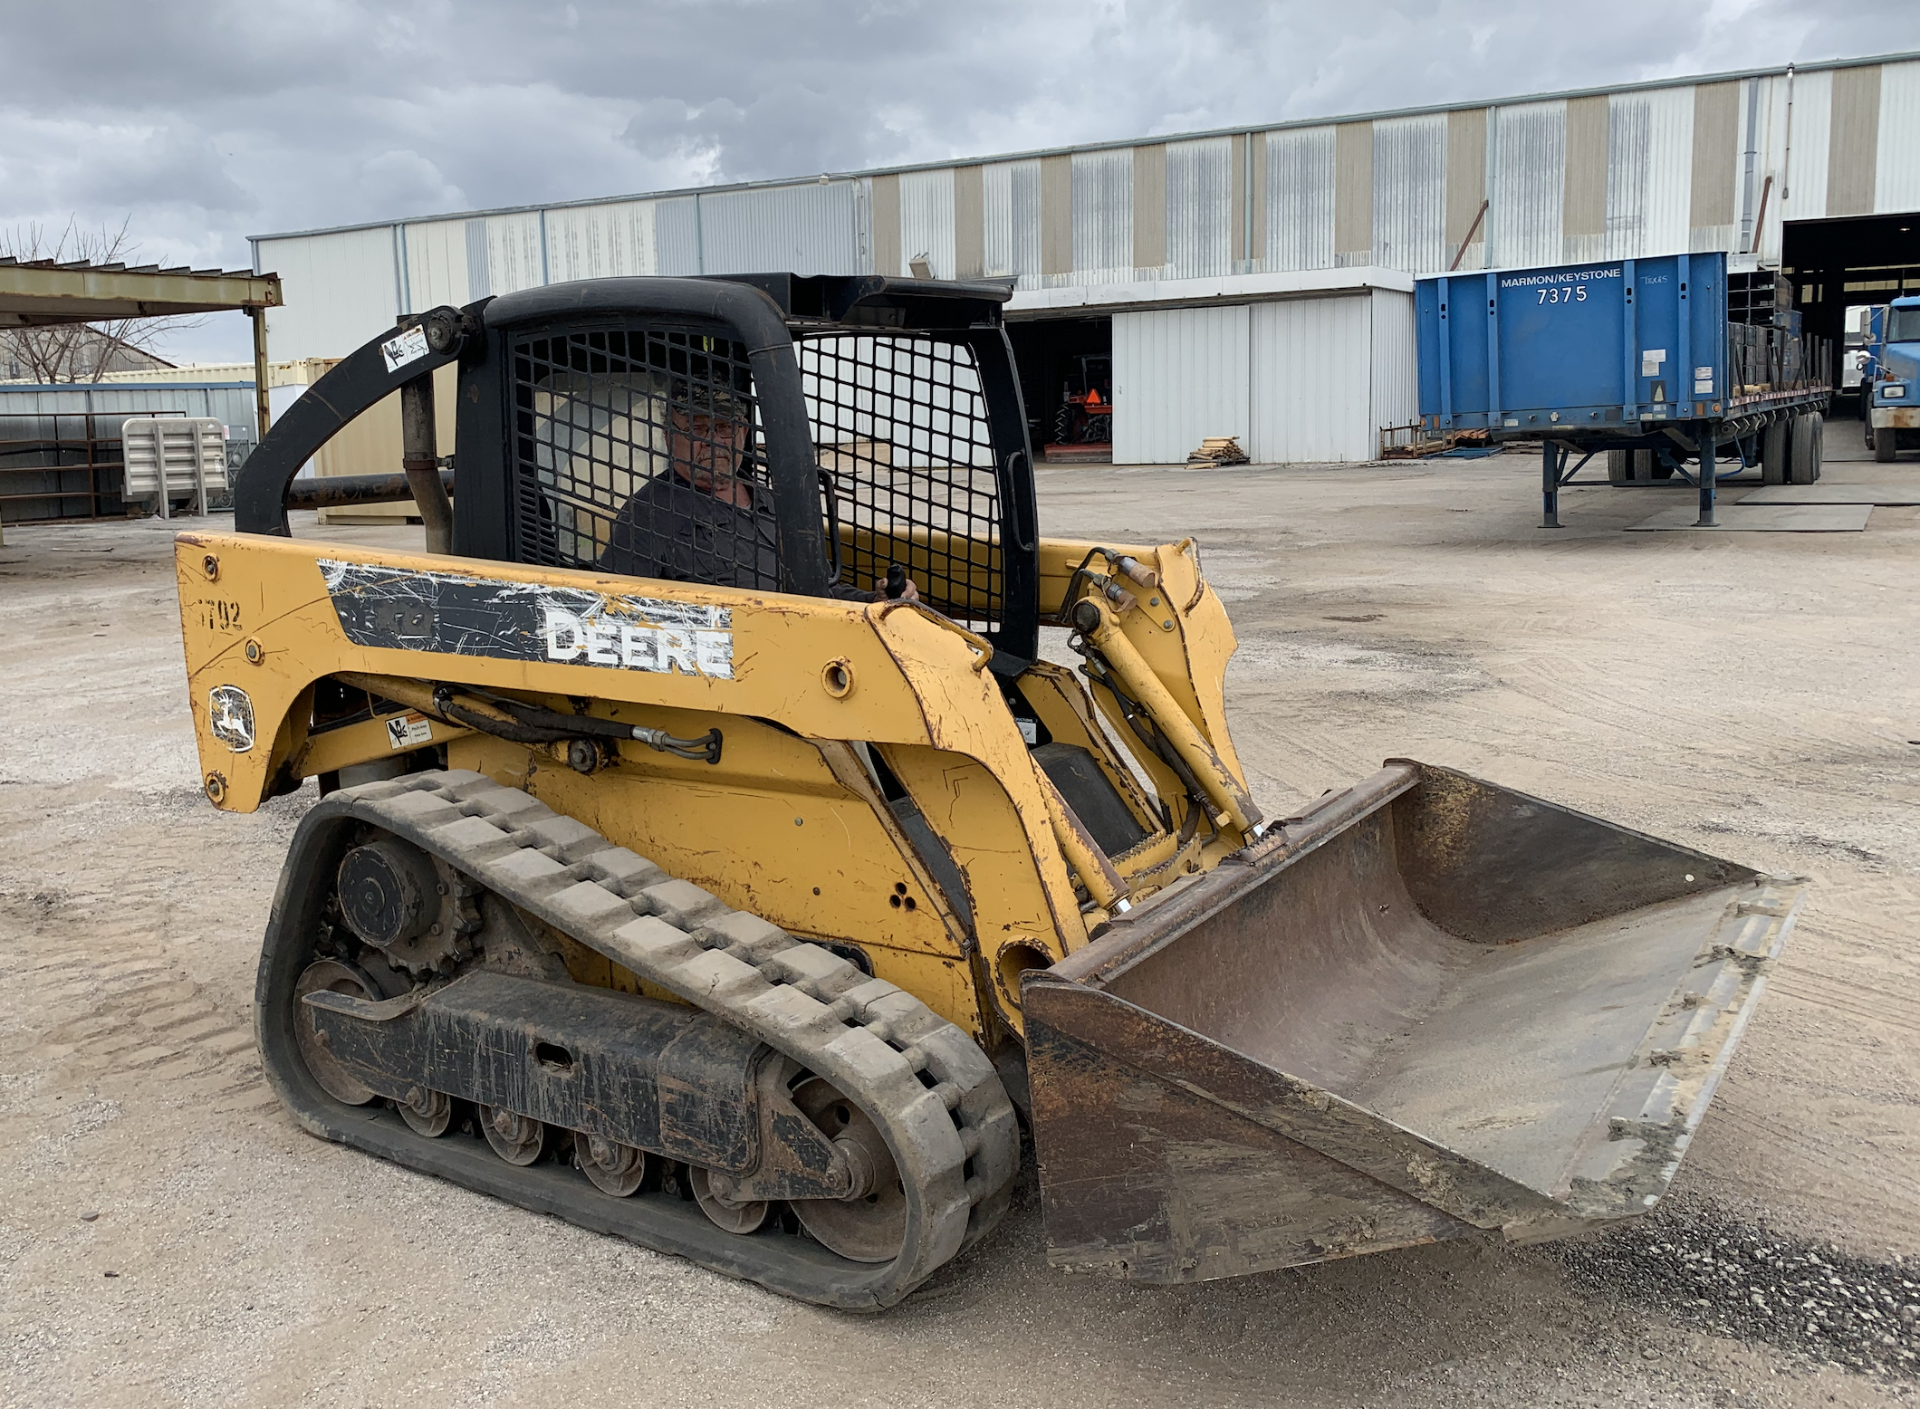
{"x":708,"y":855}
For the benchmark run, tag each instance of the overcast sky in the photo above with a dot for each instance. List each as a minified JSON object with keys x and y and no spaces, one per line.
{"x":206,"y":123}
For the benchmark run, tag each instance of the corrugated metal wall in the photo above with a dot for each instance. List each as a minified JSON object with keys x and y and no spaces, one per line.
{"x":1179,"y":376}
{"x":1649,"y":173}
{"x":1199,"y":214}
{"x":1410,"y":192}
{"x":1312,"y":380}
{"x":807,"y":229}
{"x":340,"y":289}
{"x":1010,"y":196}
{"x":1300,"y":199}
{"x":1102,"y":217}
{"x":1396,"y":388}
{"x":1896,"y":167}
{"x":1631,"y":173}
{"x":926,"y":221}
{"x":1529,"y":144}
{"x":601,"y":241}
{"x":229,"y":403}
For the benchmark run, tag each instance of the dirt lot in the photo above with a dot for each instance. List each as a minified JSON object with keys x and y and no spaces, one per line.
{"x":168,"y":1237}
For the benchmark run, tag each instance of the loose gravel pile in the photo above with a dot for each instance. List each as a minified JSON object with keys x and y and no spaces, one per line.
{"x":1705,"y":1268}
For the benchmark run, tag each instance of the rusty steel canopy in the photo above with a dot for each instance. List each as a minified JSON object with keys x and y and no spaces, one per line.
{"x":36,"y":293}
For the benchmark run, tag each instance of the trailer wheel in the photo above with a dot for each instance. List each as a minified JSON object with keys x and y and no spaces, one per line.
{"x":1885,"y":445}
{"x":1803,"y":465}
{"x":1635,"y":467}
{"x":1774,"y":452}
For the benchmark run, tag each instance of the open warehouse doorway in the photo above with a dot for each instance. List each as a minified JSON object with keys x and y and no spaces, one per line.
{"x":1066,"y":380}
{"x":1848,"y":263}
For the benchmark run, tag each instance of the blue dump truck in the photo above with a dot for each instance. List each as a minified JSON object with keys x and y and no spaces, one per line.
{"x":1890,"y":382}
{"x":1669,"y":366}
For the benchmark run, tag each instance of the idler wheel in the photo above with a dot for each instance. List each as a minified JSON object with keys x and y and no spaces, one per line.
{"x":614,"y":1168}
{"x":338,"y":977}
{"x":428,"y":1113}
{"x":744,"y":1216}
{"x":870,"y":1224}
{"x":516,"y":1138}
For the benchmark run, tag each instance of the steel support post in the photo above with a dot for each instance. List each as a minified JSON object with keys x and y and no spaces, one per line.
{"x":259,"y":317}
{"x":1550,"y":484}
{"x":1707,"y":473}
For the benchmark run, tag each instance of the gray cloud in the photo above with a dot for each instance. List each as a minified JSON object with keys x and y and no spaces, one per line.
{"x":211,"y":122}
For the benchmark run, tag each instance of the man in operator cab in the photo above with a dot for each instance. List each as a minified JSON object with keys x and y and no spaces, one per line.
{"x":708,"y":518}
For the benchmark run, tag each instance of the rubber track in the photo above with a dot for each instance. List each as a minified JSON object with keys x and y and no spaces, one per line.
{"x":926,"y":1084}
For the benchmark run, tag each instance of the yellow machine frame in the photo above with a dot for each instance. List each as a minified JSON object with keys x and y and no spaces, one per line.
{"x":813,"y":683}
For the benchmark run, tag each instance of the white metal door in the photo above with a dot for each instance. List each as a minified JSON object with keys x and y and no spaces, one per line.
{"x":1179,"y":376}
{"x":1312,"y":380}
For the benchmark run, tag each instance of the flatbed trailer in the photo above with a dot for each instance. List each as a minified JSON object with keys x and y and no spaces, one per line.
{"x":1668,"y":365}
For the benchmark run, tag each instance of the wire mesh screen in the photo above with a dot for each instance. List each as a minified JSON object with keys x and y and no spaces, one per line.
{"x":901,"y":435}
{"x":638,"y":452}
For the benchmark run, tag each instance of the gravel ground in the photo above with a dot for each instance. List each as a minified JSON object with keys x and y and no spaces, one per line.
{"x":1698,"y":1265}
{"x":1751,"y":695}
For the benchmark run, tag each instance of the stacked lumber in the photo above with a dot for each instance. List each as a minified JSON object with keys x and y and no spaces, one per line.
{"x":1218,"y":450}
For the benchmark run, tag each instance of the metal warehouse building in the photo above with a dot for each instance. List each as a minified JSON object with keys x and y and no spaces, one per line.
{"x":1256,"y":282}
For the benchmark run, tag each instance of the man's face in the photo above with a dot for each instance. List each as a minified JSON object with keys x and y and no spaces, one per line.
{"x":705,"y":450}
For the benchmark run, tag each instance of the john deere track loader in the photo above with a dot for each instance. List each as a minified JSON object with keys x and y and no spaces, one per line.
{"x":709,"y":855}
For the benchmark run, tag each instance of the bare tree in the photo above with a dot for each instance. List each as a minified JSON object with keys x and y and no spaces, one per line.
{"x":80,"y":352}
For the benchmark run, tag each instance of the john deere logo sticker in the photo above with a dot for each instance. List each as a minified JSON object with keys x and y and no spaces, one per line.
{"x":450,"y":614}
{"x":230,"y":716}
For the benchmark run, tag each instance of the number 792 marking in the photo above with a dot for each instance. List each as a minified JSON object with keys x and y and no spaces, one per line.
{"x":1576,"y":294}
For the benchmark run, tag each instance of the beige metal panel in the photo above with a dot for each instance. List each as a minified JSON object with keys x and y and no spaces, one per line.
{"x":1179,"y":376}
{"x":1256,"y":251}
{"x":1311,"y":375}
{"x":926,"y":219}
{"x":1650,"y":174}
{"x":1200,"y":208}
{"x":1300,"y":199}
{"x":300,"y":372}
{"x":1583,"y":214}
{"x":1410,"y":193}
{"x":1467,"y":187}
{"x":370,"y":445}
{"x":341,"y":289}
{"x":436,"y":264}
{"x":601,"y":241}
{"x":1056,"y":215}
{"x":1394,"y":382}
{"x":1853,"y":141}
{"x":1103,"y":216}
{"x":1237,"y":211}
{"x":885,"y":205}
{"x":1716,"y":152}
{"x":1529,"y":142}
{"x":1896,"y":186}
{"x":969,"y":224}
{"x":1353,"y":193}
{"x":1153,"y":213}
{"x":1010,"y":191}
{"x":1806,"y":166}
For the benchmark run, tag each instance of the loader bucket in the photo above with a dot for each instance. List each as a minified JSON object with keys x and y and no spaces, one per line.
{"x":1430,"y":1008}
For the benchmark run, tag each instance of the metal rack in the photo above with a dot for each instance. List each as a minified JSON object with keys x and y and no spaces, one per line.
{"x":76,"y":471}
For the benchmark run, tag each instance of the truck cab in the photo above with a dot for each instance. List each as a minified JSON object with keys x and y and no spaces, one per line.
{"x":1891,"y":389}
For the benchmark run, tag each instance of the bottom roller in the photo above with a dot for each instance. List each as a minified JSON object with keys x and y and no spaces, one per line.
{"x":1429,"y":1007}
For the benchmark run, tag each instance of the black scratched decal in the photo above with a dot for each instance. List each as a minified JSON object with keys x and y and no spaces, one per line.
{"x":451,"y":614}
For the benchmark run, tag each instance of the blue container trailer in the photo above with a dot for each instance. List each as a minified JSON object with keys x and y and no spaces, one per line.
{"x":1640,"y":358}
